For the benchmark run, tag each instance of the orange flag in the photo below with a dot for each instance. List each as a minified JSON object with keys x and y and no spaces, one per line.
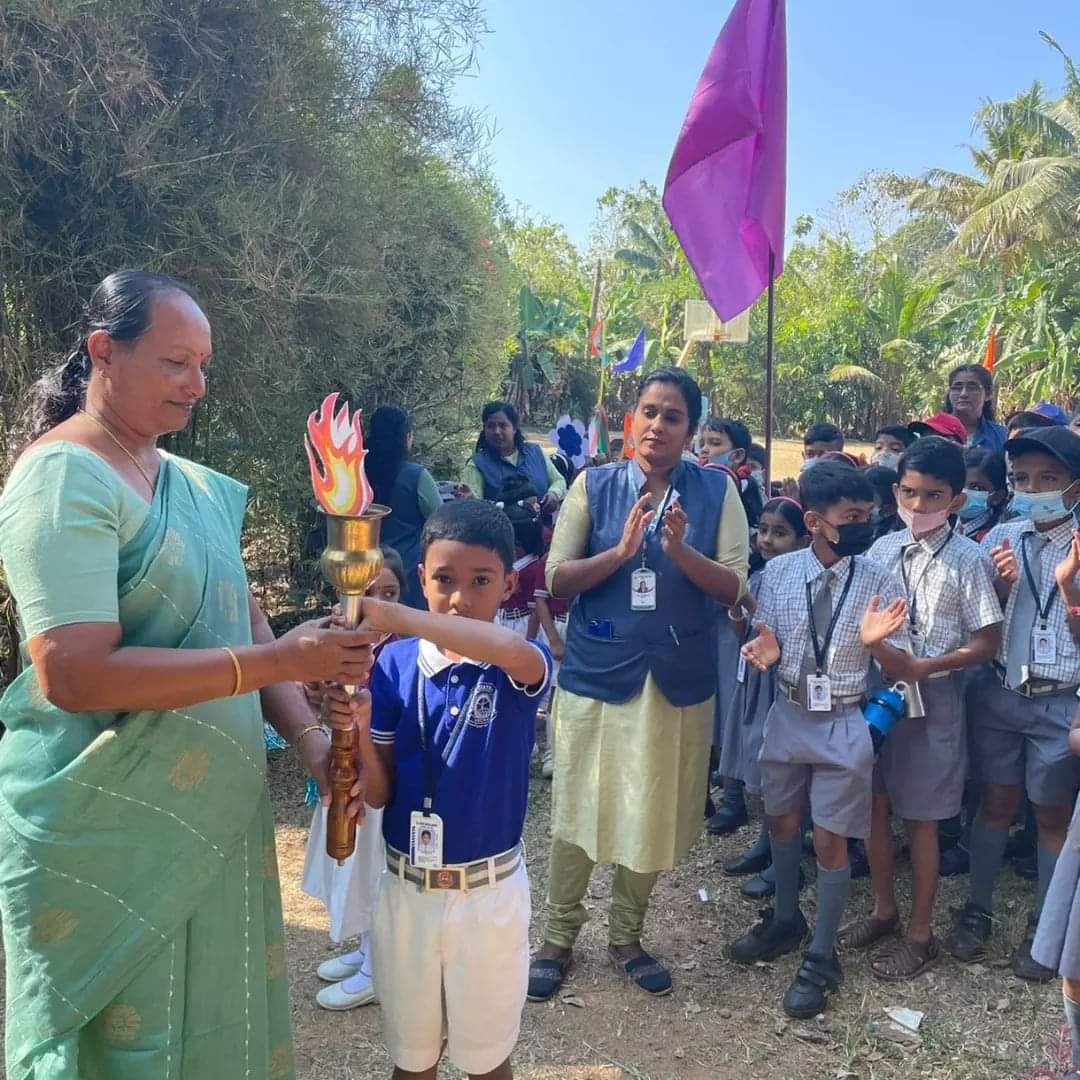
{"x":627,"y":436}
{"x":991,"y":350}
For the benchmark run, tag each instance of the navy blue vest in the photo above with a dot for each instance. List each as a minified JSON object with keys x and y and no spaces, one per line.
{"x":402,"y":529}
{"x":677,"y":642}
{"x":495,"y":469}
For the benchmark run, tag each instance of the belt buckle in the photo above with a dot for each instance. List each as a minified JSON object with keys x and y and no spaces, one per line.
{"x":446,"y":879}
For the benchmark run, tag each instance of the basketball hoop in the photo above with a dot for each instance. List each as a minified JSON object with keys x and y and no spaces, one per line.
{"x":702,"y":324}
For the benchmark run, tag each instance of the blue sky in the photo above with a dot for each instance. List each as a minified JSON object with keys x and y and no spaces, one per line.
{"x":590,"y":94}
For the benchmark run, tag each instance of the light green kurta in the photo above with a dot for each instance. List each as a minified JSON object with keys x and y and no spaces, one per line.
{"x":138,"y":879}
{"x":631,"y":779}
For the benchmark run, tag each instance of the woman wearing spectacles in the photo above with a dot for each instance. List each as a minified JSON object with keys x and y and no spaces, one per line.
{"x":971,"y":400}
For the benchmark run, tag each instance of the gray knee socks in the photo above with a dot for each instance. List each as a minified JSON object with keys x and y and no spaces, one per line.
{"x":833,"y":887}
{"x":987,"y":852}
{"x":1072,"y":1018}
{"x":1047,"y":862}
{"x":785,"y":865}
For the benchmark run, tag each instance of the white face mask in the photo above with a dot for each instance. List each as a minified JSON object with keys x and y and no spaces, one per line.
{"x":888,"y":458}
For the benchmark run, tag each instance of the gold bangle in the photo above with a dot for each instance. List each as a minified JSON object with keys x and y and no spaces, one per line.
{"x":309,"y":729}
{"x":236,"y":668}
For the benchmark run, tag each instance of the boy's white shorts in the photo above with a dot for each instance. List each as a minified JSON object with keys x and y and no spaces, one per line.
{"x":454,"y":966}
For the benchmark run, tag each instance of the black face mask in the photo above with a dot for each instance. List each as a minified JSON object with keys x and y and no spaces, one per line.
{"x":855,"y":538}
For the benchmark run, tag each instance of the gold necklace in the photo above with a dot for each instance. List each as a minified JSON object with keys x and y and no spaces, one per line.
{"x":134,"y":460}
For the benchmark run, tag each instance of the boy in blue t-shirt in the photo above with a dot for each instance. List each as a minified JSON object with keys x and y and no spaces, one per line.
{"x":452,"y":722}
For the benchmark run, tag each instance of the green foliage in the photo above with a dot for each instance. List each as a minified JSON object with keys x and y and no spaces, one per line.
{"x":299,"y":162}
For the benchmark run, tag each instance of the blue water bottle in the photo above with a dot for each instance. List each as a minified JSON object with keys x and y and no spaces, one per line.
{"x":882,"y":709}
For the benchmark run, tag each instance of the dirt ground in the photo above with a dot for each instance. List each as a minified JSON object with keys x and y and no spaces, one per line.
{"x":722,"y":1022}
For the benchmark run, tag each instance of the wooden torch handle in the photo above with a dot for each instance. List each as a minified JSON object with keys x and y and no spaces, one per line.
{"x":340,"y":828}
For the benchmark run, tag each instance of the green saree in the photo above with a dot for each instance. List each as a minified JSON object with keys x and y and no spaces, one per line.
{"x":138,"y":879}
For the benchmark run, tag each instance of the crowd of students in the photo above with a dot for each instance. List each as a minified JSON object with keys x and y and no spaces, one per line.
{"x":946,"y":567}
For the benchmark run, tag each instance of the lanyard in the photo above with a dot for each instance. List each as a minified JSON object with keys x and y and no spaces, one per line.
{"x":821,"y":649}
{"x":430,"y":780}
{"x":658,"y":518}
{"x":1043,"y":611}
{"x":913,"y":593}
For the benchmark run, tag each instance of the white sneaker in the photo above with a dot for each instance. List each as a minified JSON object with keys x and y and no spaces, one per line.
{"x":348,"y":994}
{"x":339,"y":967}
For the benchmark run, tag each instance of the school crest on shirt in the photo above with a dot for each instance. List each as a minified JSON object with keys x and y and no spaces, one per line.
{"x":483,"y":705}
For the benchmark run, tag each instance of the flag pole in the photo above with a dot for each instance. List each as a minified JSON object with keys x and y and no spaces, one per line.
{"x":594,"y":312}
{"x":769,"y":375}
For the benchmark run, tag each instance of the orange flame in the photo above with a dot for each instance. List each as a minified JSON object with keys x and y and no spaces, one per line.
{"x":335,"y":450}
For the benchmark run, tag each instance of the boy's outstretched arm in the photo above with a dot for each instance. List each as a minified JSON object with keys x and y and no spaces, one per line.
{"x":485,"y":641}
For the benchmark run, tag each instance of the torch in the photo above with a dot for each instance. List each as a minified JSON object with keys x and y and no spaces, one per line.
{"x":350,"y":562}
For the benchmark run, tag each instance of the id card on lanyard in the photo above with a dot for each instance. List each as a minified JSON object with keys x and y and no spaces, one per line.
{"x":819,"y":685}
{"x":643,"y":580}
{"x":918,"y":646}
{"x":1043,"y":639}
{"x":426,"y":832}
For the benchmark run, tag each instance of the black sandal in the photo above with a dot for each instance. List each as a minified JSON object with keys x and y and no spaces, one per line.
{"x":546,"y":976}
{"x":645,"y":972}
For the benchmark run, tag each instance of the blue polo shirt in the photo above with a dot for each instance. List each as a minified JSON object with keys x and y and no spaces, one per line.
{"x":481,"y":726}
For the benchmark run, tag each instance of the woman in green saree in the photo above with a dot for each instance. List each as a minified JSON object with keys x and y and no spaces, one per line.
{"x":138,"y":879}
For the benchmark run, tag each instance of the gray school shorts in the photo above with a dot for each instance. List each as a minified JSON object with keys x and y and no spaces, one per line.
{"x":923,"y":763}
{"x":827,"y":758}
{"x":1023,"y":741}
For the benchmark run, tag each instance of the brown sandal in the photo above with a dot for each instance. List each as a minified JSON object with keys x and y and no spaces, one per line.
{"x":904,"y":959}
{"x":867,"y":931}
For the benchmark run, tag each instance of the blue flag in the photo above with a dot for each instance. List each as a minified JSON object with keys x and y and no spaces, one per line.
{"x":634,"y":357}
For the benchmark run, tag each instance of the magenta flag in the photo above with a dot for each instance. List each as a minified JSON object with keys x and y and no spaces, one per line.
{"x":725,"y":187}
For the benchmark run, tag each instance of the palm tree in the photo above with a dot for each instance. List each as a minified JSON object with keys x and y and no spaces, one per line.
{"x":1025,"y":198}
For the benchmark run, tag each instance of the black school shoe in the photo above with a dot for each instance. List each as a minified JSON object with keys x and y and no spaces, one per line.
{"x":749,"y":862}
{"x":729,"y":818}
{"x":970,"y":932}
{"x":769,"y":939}
{"x":760,"y":888}
{"x":954,"y":861}
{"x":1024,"y":965}
{"x":817,"y":977}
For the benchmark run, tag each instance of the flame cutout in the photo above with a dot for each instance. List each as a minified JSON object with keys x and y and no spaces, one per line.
{"x":335,"y":450}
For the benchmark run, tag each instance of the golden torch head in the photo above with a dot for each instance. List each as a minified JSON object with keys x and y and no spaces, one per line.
{"x":352,"y":559}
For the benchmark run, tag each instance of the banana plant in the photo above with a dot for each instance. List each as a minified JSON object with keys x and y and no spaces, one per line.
{"x":544,"y":338}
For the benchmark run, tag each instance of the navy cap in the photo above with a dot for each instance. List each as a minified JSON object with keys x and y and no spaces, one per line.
{"x":1059,"y":442}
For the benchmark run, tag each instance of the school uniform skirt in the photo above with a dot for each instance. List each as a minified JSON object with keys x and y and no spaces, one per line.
{"x":1057,"y":941}
{"x":726,"y":718}
{"x":742,"y":751}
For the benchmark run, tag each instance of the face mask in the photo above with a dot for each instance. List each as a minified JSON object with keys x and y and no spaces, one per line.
{"x":808,"y":463}
{"x":976,"y":504}
{"x":1040,"y":506}
{"x":722,"y":459}
{"x":921,"y":524}
{"x":855,"y":538}
{"x":759,"y":479}
{"x":888,"y":458}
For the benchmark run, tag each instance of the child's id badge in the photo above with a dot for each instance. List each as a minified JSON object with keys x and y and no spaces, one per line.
{"x":740,"y":672}
{"x":426,"y":840}
{"x":818,"y":693}
{"x":1043,"y":646}
{"x":643,"y":590}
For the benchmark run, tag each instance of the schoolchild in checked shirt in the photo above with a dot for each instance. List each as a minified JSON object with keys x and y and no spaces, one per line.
{"x":823,"y":613}
{"x":452,"y":723}
{"x":1023,"y":705}
{"x":954,"y":623}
